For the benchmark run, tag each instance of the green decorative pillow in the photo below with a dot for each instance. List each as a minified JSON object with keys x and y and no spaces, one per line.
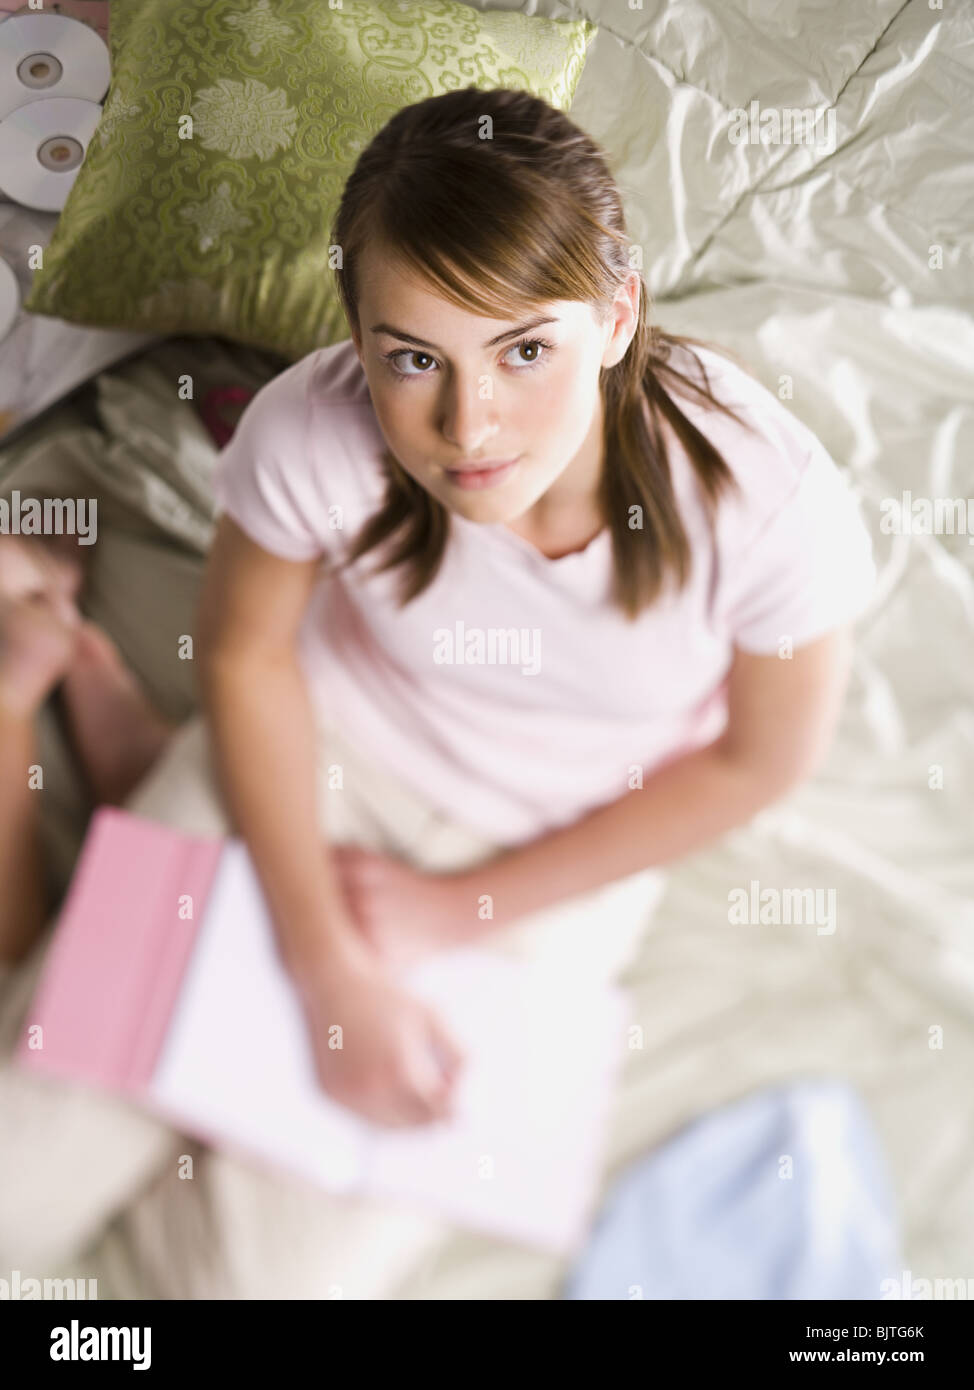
{"x":226,"y":232}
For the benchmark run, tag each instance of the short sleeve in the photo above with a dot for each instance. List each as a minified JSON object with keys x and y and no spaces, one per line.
{"x":809,"y":568}
{"x":265,"y":480}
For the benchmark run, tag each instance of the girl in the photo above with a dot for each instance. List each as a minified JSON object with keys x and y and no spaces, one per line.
{"x":542,"y":577}
{"x":586,"y":589}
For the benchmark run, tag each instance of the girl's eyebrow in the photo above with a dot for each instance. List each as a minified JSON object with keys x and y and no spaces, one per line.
{"x":408,"y":337}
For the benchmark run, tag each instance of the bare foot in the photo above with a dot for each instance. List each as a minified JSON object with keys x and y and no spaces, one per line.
{"x":117,"y":732}
{"x":38,"y":623}
{"x":41,"y":564}
{"x":44,"y":640}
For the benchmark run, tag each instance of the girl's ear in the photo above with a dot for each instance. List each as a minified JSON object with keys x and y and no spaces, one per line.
{"x":620,"y":326}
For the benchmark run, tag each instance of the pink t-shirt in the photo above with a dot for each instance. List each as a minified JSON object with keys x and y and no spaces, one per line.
{"x":512,"y":694}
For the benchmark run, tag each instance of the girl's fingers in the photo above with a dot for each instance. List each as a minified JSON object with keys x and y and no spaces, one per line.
{"x":451,"y":1055}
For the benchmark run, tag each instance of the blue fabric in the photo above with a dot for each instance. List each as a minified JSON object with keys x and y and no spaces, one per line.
{"x":713,"y":1214}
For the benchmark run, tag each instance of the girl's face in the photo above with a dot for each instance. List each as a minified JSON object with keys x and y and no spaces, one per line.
{"x":452,"y":390}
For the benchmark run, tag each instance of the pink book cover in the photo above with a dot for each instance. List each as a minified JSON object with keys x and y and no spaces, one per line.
{"x":122,"y":943}
{"x":163,"y":981}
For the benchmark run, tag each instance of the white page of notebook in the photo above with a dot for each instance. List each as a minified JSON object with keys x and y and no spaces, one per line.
{"x":520,"y":1156}
{"x":237,"y":1058}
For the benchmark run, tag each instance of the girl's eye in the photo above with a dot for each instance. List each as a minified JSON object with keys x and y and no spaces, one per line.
{"x":393,"y":357}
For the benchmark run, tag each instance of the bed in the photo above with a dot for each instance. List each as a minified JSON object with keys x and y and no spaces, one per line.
{"x":843,"y":273}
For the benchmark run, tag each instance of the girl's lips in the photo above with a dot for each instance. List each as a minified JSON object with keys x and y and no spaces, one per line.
{"x":480,"y":477}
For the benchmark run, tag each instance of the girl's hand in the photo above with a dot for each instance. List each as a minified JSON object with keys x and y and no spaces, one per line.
{"x":404,"y":914}
{"x":394,"y":1061}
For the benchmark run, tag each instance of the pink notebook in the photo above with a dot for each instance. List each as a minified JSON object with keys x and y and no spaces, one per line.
{"x":163,"y":981}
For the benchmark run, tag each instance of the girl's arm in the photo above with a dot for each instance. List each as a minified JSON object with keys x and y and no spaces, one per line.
{"x":263,"y":736}
{"x":396,"y":1063}
{"x":782,"y":713}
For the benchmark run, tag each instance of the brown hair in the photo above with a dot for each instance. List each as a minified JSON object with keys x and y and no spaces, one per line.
{"x":529,"y":215}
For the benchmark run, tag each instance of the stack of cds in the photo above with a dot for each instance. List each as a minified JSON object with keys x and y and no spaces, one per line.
{"x":54,"y":74}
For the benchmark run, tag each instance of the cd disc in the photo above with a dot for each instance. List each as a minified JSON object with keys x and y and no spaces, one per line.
{"x":9,"y":298}
{"x":50,"y":55}
{"x":42,"y":147}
